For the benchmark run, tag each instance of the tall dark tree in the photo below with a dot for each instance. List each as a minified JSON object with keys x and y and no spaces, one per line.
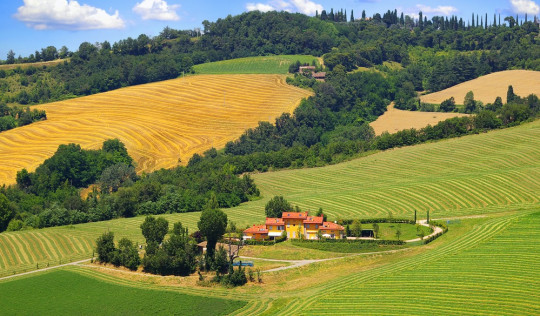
{"x":363,"y":14}
{"x":510,"y":95}
{"x":420,"y":20}
{"x":212,"y":224}
{"x":10,"y":57}
{"x":352,"y":15}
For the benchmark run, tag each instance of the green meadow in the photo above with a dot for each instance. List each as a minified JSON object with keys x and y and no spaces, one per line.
{"x":254,"y":65}
{"x":65,"y":292}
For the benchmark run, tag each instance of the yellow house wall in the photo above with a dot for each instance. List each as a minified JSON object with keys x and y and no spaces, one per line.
{"x":291,"y":227}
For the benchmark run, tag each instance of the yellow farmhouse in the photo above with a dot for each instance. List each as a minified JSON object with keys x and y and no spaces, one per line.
{"x":295,"y":225}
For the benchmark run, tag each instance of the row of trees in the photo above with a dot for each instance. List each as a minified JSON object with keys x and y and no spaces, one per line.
{"x":178,"y":254}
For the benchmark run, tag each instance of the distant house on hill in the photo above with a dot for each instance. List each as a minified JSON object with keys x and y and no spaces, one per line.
{"x":311,"y":70}
{"x":306,"y":69}
{"x":319,"y":76}
{"x":295,"y":225}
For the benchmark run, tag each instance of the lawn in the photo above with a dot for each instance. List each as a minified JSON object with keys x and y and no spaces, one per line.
{"x":387,"y":231}
{"x":254,"y":65}
{"x":68,"y":293}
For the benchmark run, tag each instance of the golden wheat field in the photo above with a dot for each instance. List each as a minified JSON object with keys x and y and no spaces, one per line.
{"x":394,"y":120}
{"x":159,"y":123}
{"x":487,"y":88}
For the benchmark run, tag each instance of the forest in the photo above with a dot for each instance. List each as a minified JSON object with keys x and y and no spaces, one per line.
{"x":332,"y":126}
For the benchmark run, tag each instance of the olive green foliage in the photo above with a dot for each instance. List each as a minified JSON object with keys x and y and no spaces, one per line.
{"x":276,"y":206}
{"x":105,"y":247}
{"x":6,"y":212}
{"x":175,"y":256}
{"x":126,"y":255}
{"x":212,"y":224}
{"x":154,"y":229}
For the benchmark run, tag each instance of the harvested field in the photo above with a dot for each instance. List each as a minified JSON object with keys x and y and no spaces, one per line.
{"x":38,"y":64}
{"x":489,"y":87}
{"x":159,"y":123}
{"x":394,"y":120}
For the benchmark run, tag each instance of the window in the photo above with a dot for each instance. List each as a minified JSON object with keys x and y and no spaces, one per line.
{"x":316,"y":226}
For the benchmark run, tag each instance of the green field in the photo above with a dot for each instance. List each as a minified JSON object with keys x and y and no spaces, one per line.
{"x":492,"y":269}
{"x":254,"y":65}
{"x":479,"y":174}
{"x":64,"y":292}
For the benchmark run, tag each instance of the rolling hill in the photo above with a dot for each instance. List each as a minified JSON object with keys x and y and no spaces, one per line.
{"x":254,"y":65}
{"x":158,"y":122}
{"x":487,"y":88}
{"x":473,"y":175}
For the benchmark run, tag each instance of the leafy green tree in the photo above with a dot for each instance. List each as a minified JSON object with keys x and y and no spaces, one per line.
{"x":116,"y":176}
{"x":154,"y":229}
{"x":276,"y":206}
{"x":448,"y":105}
{"x":469,"y":102}
{"x":10,"y":57}
{"x":510,"y":95}
{"x":398,"y":232}
{"x":376,"y":230}
{"x":221,"y":264}
{"x":212,"y":224}
{"x":357,"y":228}
{"x":105,"y":247}
{"x":126,"y":255}
{"x":6,"y":212}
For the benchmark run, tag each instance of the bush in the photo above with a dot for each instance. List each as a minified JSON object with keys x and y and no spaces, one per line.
{"x":105,"y":247}
{"x":438,"y":224}
{"x":265,"y":242}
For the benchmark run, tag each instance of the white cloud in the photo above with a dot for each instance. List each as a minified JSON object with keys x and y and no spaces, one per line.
{"x":439,"y":10}
{"x":304,"y":6}
{"x":307,"y":7}
{"x":67,"y":15}
{"x":157,"y":10}
{"x":525,"y":6}
{"x":259,"y":7}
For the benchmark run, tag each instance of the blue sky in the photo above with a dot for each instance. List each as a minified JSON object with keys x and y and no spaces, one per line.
{"x":29,"y":25}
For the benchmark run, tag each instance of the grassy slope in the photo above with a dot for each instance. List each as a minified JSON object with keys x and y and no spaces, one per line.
{"x":473,"y":175}
{"x":68,"y":293}
{"x":253,"y":65}
{"x":492,"y":269}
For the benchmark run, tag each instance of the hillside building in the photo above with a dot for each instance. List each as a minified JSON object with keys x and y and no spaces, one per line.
{"x":295,"y":225}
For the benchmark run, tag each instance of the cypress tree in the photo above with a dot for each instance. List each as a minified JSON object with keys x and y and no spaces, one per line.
{"x":352,"y":15}
{"x":420,"y":20}
{"x":485,"y":21}
{"x":473,"y":20}
{"x":363,"y":14}
{"x":494,"y":20}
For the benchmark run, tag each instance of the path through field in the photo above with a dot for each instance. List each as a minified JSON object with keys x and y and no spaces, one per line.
{"x":159,"y":123}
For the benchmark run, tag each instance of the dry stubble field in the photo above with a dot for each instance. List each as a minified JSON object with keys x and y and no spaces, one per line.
{"x":487,"y":88}
{"x":158,"y":122}
{"x":395,"y":120}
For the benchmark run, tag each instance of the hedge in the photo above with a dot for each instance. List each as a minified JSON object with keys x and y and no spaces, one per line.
{"x":378,"y":220}
{"x":438,"y":224}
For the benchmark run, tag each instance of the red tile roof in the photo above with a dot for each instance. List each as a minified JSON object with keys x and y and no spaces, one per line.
{"x":314,"y":220}
{"x":257,"y":229}
{"x":294,"y":215}
{"x":274,"y":221}
{"x":331,"y":226}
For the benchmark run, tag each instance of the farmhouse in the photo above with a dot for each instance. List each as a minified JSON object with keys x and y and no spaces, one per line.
{"x":295,"y":225}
